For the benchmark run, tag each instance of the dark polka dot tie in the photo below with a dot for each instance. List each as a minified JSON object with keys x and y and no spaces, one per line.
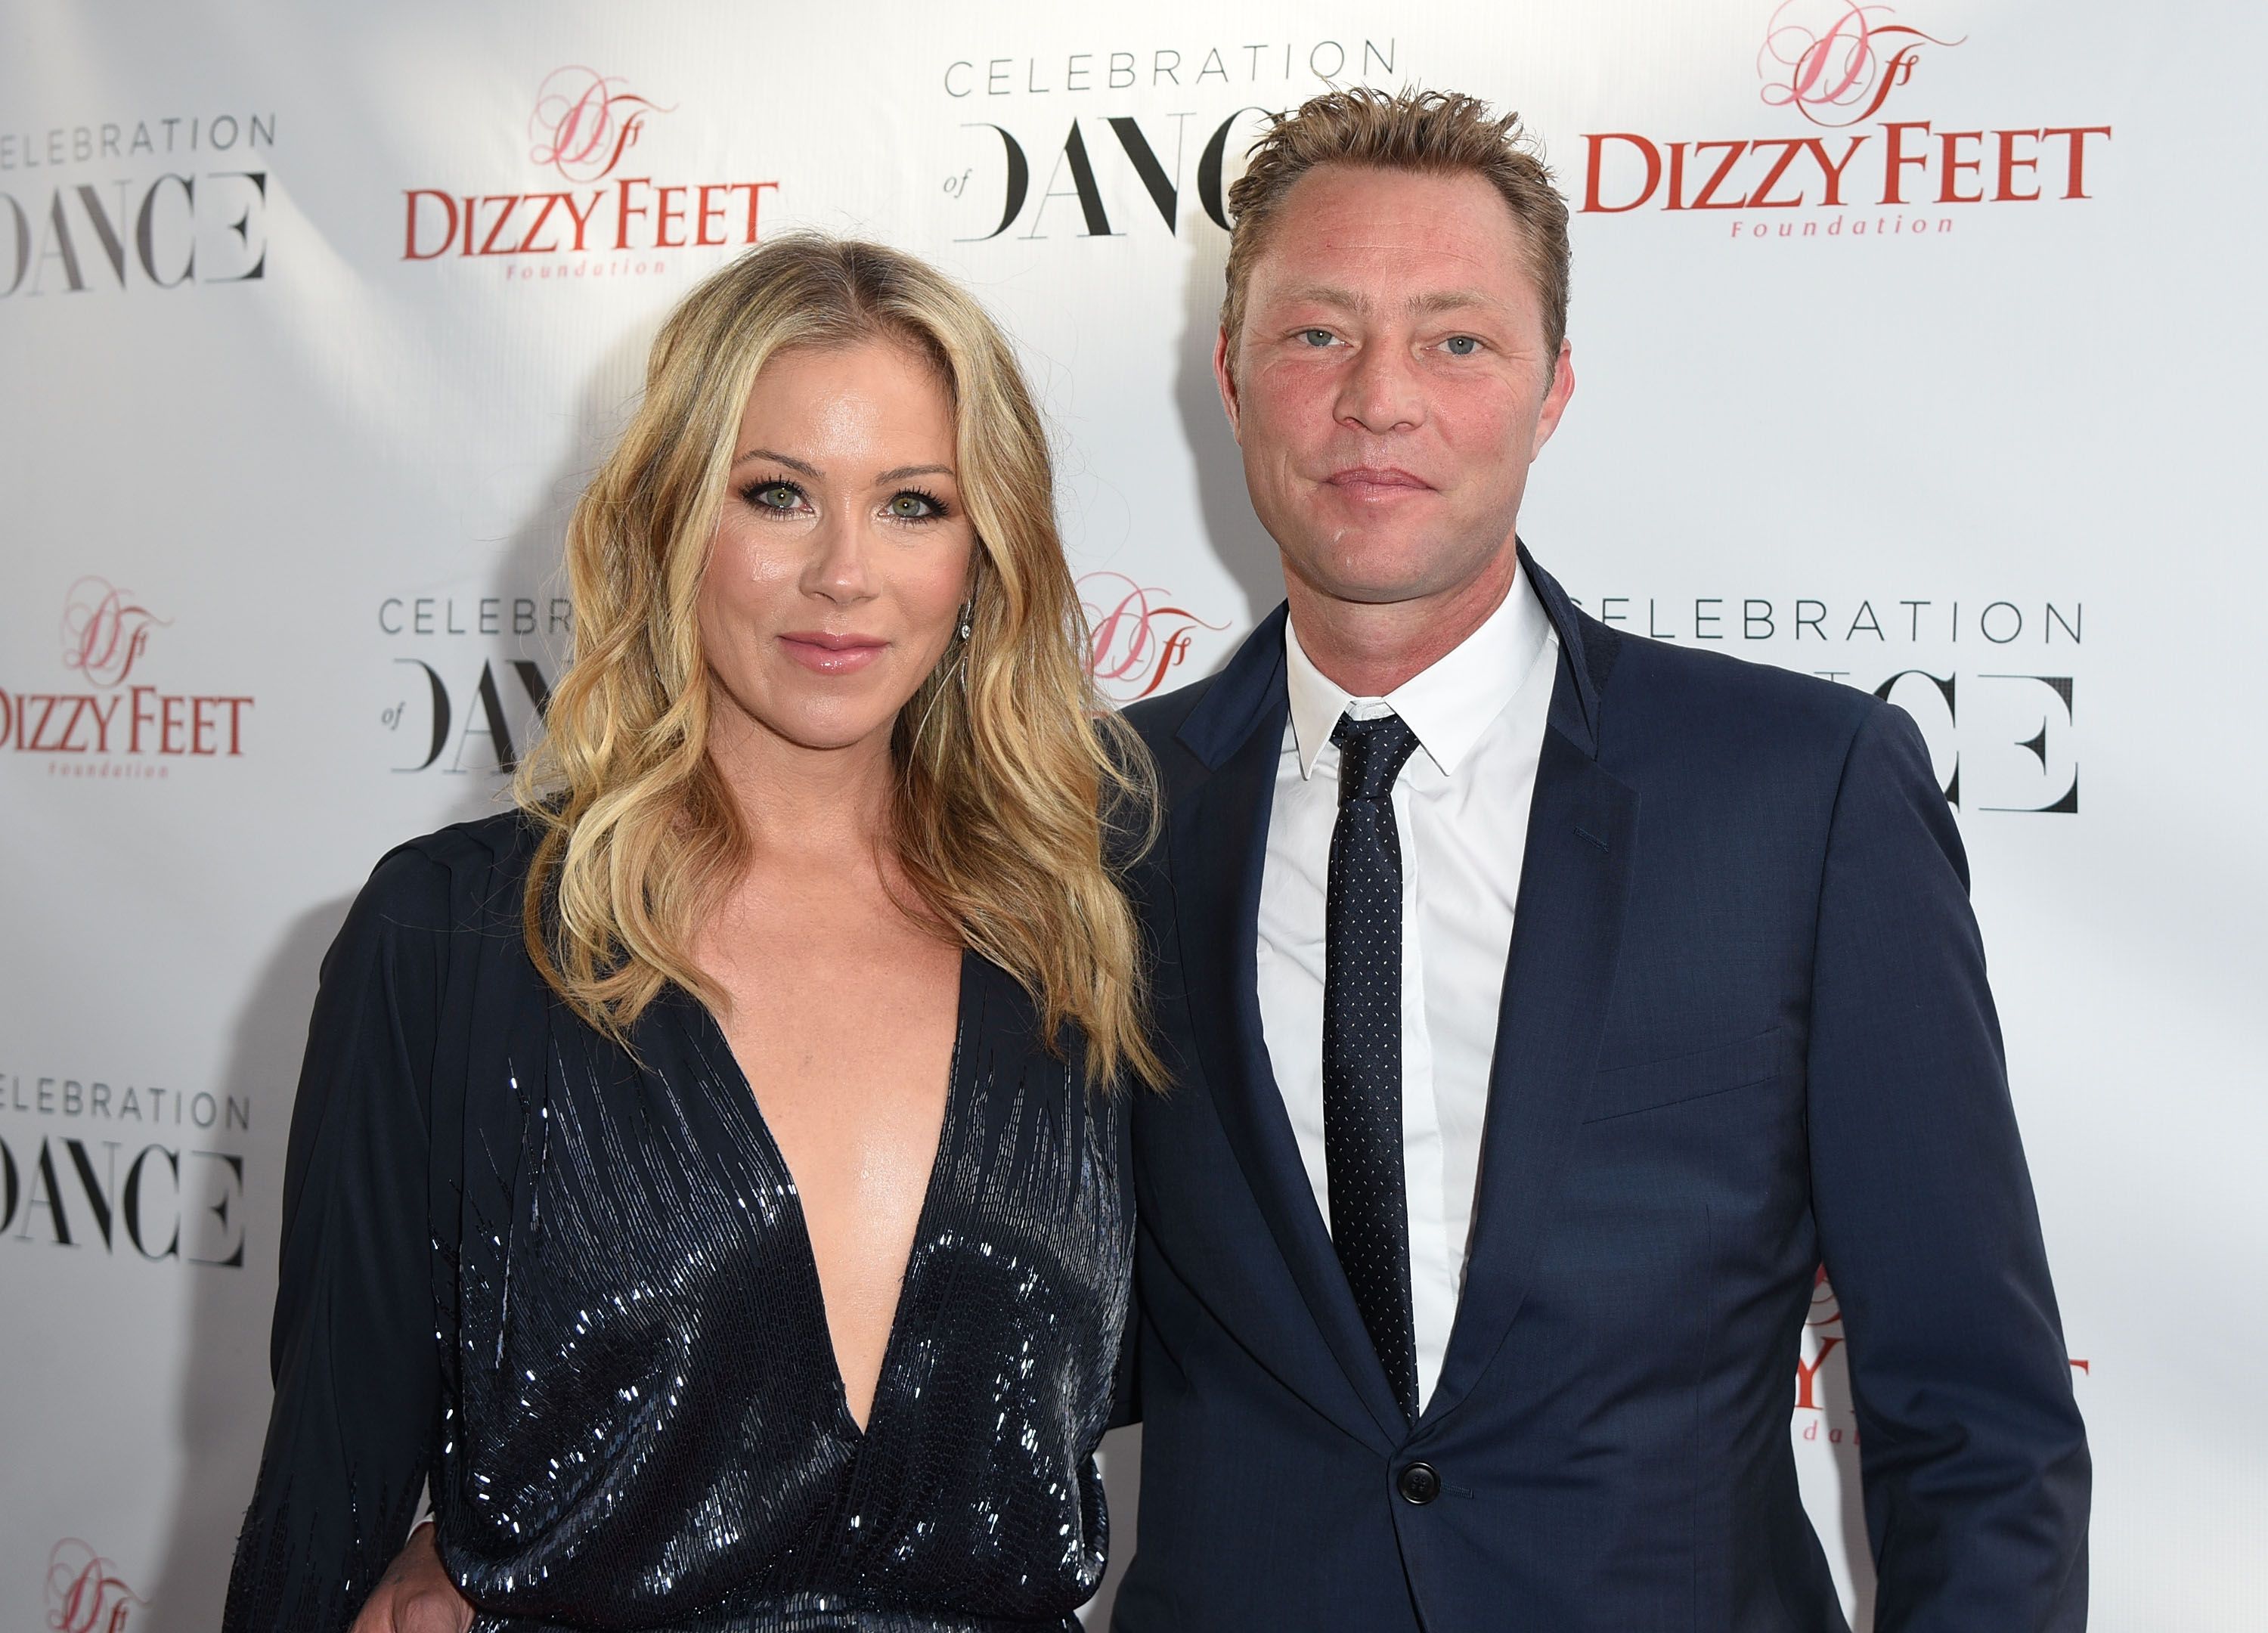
{"x":1362,"y":1044}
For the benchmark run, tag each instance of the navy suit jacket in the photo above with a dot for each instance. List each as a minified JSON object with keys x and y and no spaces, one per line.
{"x":1745,"y":1030}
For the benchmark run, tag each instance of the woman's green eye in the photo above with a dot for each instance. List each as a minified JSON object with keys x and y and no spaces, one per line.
{"x":913,"y":507}
{"x":778,"y":496}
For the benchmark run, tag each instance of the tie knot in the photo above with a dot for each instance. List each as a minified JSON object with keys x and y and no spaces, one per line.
{"x":1372,"y":754}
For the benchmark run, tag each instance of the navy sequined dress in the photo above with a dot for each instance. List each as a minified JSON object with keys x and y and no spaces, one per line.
{"x":573,"y":1290}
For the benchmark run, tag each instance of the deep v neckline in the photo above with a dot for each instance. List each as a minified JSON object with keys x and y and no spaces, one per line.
{"x":857,"y":1432}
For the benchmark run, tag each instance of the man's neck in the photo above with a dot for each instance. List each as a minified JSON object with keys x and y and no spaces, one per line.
{"x":1369,"y":648}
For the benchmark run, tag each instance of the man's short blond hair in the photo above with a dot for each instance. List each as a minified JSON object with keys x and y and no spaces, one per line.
{"x":1429,"y":132}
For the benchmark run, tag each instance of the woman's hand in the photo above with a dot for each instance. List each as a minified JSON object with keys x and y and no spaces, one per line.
{"x":416,"y":1595}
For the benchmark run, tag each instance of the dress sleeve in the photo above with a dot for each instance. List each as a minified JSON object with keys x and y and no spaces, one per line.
{"x":353,"y":1355}
{"x":1126,"y":1384}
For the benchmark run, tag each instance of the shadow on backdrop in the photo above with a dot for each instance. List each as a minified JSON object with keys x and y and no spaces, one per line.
{"x":495,"y":713}
{"x":223,"y":1395}
{"x":221,"y":1413}
{"x":1232,"y":531}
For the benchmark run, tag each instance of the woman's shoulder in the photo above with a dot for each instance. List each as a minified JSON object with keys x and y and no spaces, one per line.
{"x":468,"y":877}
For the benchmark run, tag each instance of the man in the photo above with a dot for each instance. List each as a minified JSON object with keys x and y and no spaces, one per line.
{"x":1548,"y":1005}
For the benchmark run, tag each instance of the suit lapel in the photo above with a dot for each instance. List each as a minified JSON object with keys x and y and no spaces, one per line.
{"x":1567,"y":930}
{"x":1218,"y":838}
{"x":1566,"y":937}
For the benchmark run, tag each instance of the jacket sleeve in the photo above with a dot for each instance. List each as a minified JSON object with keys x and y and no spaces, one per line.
{"x":1972,"y":1456}
{"x":353,"y":1354}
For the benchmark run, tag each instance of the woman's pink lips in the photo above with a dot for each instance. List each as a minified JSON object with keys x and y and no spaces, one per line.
{"x":831,"y":654}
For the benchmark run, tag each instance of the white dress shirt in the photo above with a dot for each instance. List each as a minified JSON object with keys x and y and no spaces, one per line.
{"x":1460,"y":814}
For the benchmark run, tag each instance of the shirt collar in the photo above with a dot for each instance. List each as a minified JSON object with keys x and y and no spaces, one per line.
{"x":1449,"y":705}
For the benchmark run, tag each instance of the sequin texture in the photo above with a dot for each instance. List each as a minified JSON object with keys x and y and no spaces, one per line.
{"x":640,"y":1420}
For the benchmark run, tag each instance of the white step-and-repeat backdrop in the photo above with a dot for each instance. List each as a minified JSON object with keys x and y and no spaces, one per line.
{"x":1918,"y":346}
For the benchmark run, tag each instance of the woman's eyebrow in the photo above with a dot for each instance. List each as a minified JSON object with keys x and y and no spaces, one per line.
{"x":800,"y":467}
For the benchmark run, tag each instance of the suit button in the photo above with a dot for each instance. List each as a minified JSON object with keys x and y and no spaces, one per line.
{"x":1418,"y":1484}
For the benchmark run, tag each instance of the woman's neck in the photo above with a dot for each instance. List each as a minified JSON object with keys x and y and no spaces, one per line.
{"x":826,"y":806}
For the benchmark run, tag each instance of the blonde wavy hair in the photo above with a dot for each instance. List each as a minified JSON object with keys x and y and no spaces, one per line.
{"x":1019,"y":797}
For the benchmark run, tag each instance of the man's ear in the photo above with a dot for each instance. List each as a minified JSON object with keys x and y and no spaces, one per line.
{"x":1555,"y":397}
{"x":1224,"y":376}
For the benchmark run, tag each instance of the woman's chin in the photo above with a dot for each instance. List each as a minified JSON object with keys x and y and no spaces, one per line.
{"x":797,"y":709}
{"x":830,"y":729}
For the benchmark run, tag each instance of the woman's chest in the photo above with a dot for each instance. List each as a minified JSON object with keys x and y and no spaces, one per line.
{"x":642,"y":1324}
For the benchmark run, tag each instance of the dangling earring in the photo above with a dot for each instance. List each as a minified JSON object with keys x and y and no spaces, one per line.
{"x":959,"y":671}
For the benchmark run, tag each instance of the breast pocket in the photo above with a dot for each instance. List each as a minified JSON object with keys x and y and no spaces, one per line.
{"x":1647,"y":1085}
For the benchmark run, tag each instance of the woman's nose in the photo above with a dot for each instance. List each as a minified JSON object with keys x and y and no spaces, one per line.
{"x":841,"y":567}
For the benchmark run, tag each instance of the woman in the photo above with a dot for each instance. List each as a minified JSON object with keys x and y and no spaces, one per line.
{"x":708,"y":1176}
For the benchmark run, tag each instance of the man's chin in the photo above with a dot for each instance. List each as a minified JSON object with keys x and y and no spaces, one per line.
{"x":1388,"y":572}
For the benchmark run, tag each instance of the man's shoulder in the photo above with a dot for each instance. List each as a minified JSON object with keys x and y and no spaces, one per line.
{"x":1178,"y":737}
{"x":1159,"y":720}
{"x":1695,"y":696}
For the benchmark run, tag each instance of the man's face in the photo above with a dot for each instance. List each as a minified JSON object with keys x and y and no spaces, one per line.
{"x":1390,"y":387}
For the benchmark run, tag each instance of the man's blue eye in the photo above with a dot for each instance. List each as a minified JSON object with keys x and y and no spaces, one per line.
{"x":1462,"y":345}
{"x":1316,"y":337}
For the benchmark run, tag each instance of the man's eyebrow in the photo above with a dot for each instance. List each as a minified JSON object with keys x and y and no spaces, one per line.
{"x":1448,"y":300}
{"x":800,"y":467}
{"x":1328,"y":295}
{"x":1351,"y":300}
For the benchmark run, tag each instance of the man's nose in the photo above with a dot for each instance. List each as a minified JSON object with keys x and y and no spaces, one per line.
{"x":1380,"y":391}
{"x":841,"y":567}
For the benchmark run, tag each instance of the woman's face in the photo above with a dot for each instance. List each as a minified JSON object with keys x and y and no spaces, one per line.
{"x":843,"y":555}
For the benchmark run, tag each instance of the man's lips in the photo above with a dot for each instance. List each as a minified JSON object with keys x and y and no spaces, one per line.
{"x":825,"y":653}
{"x":1378,"y":482}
